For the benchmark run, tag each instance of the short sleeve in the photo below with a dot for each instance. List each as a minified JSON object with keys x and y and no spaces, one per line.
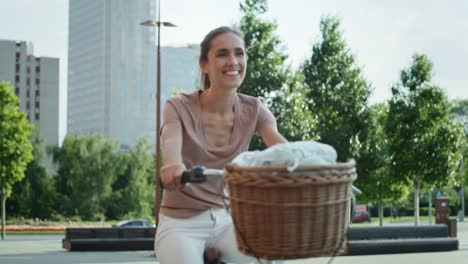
{"x":265,"y":117}
{"x":170,"y":114}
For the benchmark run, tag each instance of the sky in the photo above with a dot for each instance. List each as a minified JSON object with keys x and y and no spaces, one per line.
{"x":381,"y":34}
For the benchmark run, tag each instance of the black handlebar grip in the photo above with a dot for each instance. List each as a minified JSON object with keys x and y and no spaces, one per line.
{"x":185,"y":178}
{"x":195,"y":175}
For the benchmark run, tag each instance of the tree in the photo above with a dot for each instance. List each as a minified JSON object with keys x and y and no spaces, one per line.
{"x":460,"y":113}
{"x":35,"y":195}
{"x":87,"y":167}
{"x":374,"y":179}
{"x":425,"y":143}
{"x":265,"y":57}
{"x":295,"y":120}
{"x":15,"y":147}
{"x":133,"y":191}
{"x":338,"y":92}
{"x":269,"y":78}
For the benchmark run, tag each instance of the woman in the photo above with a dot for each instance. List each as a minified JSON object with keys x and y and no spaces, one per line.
{"x":207,"y":128}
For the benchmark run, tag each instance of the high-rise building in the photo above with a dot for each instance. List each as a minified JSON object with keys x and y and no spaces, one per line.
{"x":36,"y":83}
{"x":180,"y":70}
{"x":112,"y":70}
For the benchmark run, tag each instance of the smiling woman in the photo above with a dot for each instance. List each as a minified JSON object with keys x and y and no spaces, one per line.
{"x":222,"y":58}
{"x":209,"y":128}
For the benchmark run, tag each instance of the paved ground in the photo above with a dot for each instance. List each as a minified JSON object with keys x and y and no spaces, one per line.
{"x":47,"y":249}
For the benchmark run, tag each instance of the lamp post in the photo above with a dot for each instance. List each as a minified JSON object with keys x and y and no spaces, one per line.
{"x":158,"y":23}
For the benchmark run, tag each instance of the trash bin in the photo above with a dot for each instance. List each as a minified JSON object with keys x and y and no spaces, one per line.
{"x":442,"y":210}
{"x":452,"y":227}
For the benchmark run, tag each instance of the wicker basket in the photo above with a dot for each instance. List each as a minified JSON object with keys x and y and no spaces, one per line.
{"x":284,"y":215}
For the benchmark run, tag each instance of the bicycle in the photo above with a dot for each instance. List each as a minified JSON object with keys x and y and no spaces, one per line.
{"x":201,"y":174}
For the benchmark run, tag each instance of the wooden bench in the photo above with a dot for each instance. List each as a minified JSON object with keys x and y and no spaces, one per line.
{"x":109,"y":239}
{"x":399,"y":239}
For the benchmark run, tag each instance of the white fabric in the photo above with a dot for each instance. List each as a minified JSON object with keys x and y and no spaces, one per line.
{"x":293,"y":154}
{"x":183,"y":240}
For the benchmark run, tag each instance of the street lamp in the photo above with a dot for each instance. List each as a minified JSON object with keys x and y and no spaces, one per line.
{"x":158,"y":23}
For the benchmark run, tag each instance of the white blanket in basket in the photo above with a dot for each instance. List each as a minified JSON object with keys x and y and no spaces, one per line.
{"x":294,"y":154}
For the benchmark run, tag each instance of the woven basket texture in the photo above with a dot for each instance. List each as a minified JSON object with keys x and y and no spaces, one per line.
{"x":289,"y":215}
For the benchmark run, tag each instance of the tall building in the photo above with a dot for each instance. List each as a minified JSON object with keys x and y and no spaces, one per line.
{"x":179,"y":70}
{"x":109,"y":78}
{"x":36,"y":82}
{"x":112,"y":70}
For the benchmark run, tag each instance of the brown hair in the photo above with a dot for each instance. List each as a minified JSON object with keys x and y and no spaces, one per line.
{"x":205,"y":47}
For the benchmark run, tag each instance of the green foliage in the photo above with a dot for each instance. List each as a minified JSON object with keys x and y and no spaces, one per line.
{"x":35,"y":196}
{"x":417,"y":74}
{"x":375,"y":179}
{"x":87,"y":167}
{"x":460,"y":114}
{"x":176,"y":91}
{"x":338,"y":92}
{"x":265,"y":66}
{"x":290,"y":107}
{"x":133,"y":190}
{"x":425,"y":142}
{"x":269,"y":79}
{"x":15,"y":147}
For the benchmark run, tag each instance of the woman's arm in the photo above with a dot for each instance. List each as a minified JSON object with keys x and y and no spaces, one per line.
{"x":172,"y":156}
{"x":171,"y":144}
{"x":267,"y":127}
{"x":270,"y":135}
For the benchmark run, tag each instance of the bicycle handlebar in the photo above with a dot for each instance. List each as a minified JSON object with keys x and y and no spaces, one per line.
{"x":200,"y":174}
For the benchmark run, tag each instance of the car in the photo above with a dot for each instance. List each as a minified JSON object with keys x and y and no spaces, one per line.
{"x":361,"y":217}
{"x":361,"y":214}
{"x":134,"y":223}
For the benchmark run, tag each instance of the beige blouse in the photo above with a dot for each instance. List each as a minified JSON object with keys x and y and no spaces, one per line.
{"x":250,"y":114}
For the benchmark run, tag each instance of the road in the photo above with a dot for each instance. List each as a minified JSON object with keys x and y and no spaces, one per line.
{"x":47,"y":249}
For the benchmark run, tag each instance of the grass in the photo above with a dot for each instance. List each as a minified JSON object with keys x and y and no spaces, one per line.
{"x":39,"y":222}
{"x":36,"y":232}
{"x":402,"y":219}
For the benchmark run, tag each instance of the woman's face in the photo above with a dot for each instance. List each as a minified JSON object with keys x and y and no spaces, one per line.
{"x":227,"y":61}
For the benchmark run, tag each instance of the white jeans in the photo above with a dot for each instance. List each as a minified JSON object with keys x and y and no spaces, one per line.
{"x":183,"y":240}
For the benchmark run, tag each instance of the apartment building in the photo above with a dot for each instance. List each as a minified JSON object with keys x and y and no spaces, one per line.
{"x":36,"y":83}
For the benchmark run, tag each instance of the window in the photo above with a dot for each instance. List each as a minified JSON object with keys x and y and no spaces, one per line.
{"x":28,"y":70}
{"x":17,"y":68}
{"x":38,"y":69}
{"x":28,"y":82}
{"x":27,"y":93}
{"x":17,"y":56}
{"x":37,"y":81}
{"x":17,"y":78}
{"x":17,"y":90}
{"x":37,"y":116}
{"x":37,"y":104}
{"x":37,"y":93}
{"x":27,"y":105}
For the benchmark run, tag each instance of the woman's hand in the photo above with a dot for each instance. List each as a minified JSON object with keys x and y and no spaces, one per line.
{"x":170,"y":176}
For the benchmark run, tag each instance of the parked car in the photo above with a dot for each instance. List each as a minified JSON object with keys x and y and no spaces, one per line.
{"x":134,"y":223}
{"x":361,"y":214}
{"x":361,"y":217}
